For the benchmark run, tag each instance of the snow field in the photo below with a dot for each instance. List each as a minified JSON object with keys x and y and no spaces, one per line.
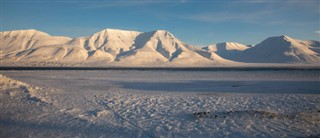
{"x":106,"y":109}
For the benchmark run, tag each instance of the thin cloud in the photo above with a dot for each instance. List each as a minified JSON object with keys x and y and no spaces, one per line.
{"x":98,"y":5}
{"x":183,"y":1}
{"x":215,"y":17}
{"x":110,"y":4}
{"x":317,"y":33}
{"x":285,"y":5}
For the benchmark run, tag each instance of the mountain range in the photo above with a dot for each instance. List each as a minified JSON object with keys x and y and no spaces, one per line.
{"x":112,"y":47}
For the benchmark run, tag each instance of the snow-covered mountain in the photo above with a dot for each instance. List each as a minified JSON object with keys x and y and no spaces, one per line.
{"x":228,"y":50}
{"x":111,"y":47}
{"x":282,"y":49}
{"x":161,"y":46}
{"x":107,"y":47}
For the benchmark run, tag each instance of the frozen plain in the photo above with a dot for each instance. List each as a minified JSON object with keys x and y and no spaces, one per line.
{"x":160,"y":103}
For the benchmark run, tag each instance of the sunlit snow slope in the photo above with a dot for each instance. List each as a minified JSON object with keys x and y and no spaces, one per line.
{"x":112,"y":47}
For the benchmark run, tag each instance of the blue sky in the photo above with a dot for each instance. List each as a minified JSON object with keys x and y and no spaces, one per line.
{"x":195,"y":22}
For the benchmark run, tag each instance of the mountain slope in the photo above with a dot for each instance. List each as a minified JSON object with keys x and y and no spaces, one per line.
{"x":161,"y":47}
{"x":20,"y":40}
{"x":112,"y":41}
{"x":227,"y":50}
{"x":111,"y":47}
{"x":282,"y":49}
{"x":32,"y":46}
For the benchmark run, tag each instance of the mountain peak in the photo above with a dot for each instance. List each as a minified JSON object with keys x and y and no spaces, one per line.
{"x":285,"y":37}
{"x":227,"y":46}
{"x":162,"y":33}
{"x":109,"y":30}
{"x":24,"y":33}
{"x":154,"y":47}
{"x":281,"y":49}
{"x":281,"y":38}
{"x":114,"y":33}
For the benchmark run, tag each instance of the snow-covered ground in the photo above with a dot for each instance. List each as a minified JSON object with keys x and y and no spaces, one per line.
{"x":160,"y":103}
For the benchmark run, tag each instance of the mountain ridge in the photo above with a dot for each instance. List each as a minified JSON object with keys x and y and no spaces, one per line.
{"x":158,"y":47}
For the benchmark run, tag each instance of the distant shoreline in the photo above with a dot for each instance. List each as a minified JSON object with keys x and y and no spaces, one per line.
{"x":252,"y":68}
